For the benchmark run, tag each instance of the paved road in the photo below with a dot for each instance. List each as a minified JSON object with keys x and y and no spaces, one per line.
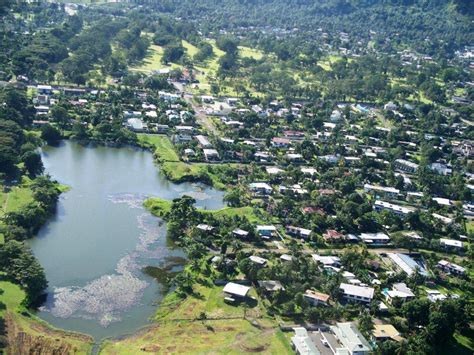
{"x":202,"y":118}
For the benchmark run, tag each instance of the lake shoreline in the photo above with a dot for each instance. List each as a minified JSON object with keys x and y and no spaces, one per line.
{"x":93,"y":146}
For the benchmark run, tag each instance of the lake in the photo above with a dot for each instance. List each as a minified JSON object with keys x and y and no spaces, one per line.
{"x":95,"y":247}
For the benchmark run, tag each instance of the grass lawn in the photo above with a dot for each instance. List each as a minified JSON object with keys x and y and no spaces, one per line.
{"x":250,"y":53}
{"x":15,"y":199}
{"x":220,"y":336}
{"x":152,"y":61}
{"x":159,"y":207}
{"x":191,"y":50}
{"x":26,"y":332}
{"x":163,"y":148}
{"x":11,"y":297}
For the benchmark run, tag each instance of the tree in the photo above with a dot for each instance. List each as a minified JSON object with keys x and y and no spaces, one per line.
{"x":60,"y":115}
{"x":18,"y":262}
{"x":33,"y":163}
{"x":50,"y":134}
{"x":366,"y":324}
{"x":173,"y":53}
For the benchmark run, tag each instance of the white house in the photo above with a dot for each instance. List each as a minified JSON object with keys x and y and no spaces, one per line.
{"x":351,"y":340}
{"x":236,"y":290}
{"x":390,"y":192}
{"x":298,"y":232}
{"x":302,"y":343}
{"x":399,"y":291}
{"x":451,"y":268}
{"x":451,"y":244}
{"x":378,"y":238}
{"x":356,"y":293}
{"x":401,"y":211}
{"x":405,"y":165}
{"x":260,"y":188}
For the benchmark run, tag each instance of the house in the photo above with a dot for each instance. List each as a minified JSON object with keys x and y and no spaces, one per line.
{"x":443,"y":219}
{"x":333,"y":261}
{"x":44,"y":89}
{"x":271,"y":285}
{"x":405,"y":263}
{"x":278,"y":142}
{"x":406,"y":166}
{"x":295,"y":189}
{"x":266,"y":231}
{"x":441,"y":169}
{"x":74,"y":91}
{"x":378,"y":238}
{"x":451,"y":268}
{"x":232,"y":101}
{"x":42,"y":110}
{"x":273,"y":170}
{"x":336,"y":116}
{"x":351,"y":340}
{"x":309,"y":171}
{"x":316,"y":298}
{"x":235,"y":290}
{"x":451,"y":244}
{"x":203,"y":141}
{"x":135,"y":124}
{"x":207,"y":99}
{"x":333,"y":236}
{"x":258,"y":260}
{"x":390,"y":106}
{"x":261,"y":188}
{"x":182,"y":138}
{"x":302,"y":343}
{"x":399,"y":291}
{"x":42,"y":99}
{"x":389,"y":192}
{"x":294,"y":157}
{"x":211,"y":154}
{"x":298,"y":232}
{"x":286,"y":257}
{"x":189,"y":152}
{"x":355,"y":293}
{"x":391,"y":207}
{"x":240,"y":233}
{"x":435,"y":295}
{"x":205,"y":228}
{"x":166,"y":96}
{"x":331,"y":159}
{"x":383,"y":332}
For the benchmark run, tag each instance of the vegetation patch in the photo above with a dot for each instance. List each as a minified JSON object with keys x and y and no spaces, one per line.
{"x":204,"y":323}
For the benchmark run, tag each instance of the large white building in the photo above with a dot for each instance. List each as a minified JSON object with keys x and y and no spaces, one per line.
{"x":357,"y":293}
{"x":352,"y":341}
{"x":387,"y":206}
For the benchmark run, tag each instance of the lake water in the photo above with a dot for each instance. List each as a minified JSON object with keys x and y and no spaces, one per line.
{"x":93,"y":250}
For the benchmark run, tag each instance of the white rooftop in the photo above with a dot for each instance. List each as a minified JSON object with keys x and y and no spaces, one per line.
{"x":236,"y":289}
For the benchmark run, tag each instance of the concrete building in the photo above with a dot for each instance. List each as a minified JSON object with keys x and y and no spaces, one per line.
{"x":355,"y":293}
{"x":351,"y":340}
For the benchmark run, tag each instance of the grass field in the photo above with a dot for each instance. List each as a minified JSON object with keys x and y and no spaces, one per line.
{"x":15,"y":199}
{"x":27,"y":334}
{"x":159,"y":207}
{"x":257,"y":333}
{"x":163,"y":148}
{"x":247,"y":52}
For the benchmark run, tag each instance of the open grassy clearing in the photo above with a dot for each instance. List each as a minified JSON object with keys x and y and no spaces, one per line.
{"x":248,"y":52}
{"x":212,"y":336}
{"x":182,"y":172}
{"x":15,"y":198}
{"x":159,"y":207}
{"x":162,"y":147}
